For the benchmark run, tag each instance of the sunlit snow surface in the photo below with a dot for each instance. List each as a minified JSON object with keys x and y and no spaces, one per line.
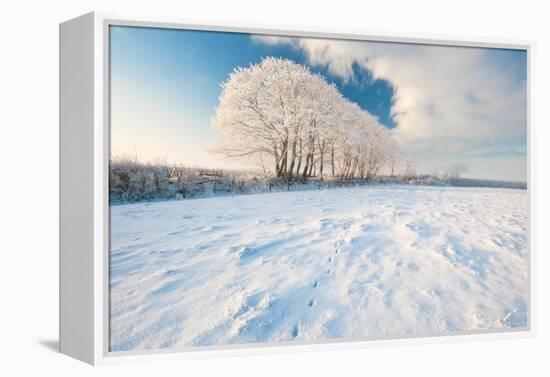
{"x":312,"y":265}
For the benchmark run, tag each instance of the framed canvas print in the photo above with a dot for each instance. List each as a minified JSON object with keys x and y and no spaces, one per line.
{"x":226,"y":188}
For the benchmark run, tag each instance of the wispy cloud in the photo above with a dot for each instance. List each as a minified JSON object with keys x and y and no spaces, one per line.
{"x":499,"y":152}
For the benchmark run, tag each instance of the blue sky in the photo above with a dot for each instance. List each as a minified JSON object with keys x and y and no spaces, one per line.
{"x":165,"y":85}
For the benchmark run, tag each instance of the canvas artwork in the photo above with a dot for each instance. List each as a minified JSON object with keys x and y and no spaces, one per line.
{"x":281,"y":189}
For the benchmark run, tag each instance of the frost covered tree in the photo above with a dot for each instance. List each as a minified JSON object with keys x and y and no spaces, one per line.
{"x":456,"y":170}
{"x":410,"y":170}
{"x":452,"y":171}
{"x":281,"y":112}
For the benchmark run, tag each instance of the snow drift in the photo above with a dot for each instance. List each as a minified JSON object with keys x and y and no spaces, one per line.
{"x":351,"y":262}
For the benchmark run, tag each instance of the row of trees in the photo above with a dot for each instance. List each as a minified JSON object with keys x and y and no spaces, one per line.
{"x":298,"y":125}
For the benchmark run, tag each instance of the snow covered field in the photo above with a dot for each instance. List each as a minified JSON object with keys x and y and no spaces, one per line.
{"x":351,"y":262}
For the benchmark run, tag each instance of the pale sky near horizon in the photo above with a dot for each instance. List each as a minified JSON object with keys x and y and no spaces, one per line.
{"x":444,"y":105}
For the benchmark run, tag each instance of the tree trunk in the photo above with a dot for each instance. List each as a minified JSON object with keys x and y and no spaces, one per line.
{"x":309,"y":159}
{"x":282,"y":160}
{"x":354,"y":167}
{"x":306,"y":167}
{"x":345,"y":169}
{"x":322,"y":151}
{"x":311,"y":162}
{"x":276,"y":155}
{"x":299,"y":159}
{"x":285,"y":158}
{"x":332,"y":159}
{"x":292,"y":160}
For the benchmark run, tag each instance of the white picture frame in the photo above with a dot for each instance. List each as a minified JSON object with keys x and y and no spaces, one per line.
{"x":84,"y":205}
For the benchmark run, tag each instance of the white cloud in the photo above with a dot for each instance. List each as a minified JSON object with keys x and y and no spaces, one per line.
{"x":447,"y":99}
